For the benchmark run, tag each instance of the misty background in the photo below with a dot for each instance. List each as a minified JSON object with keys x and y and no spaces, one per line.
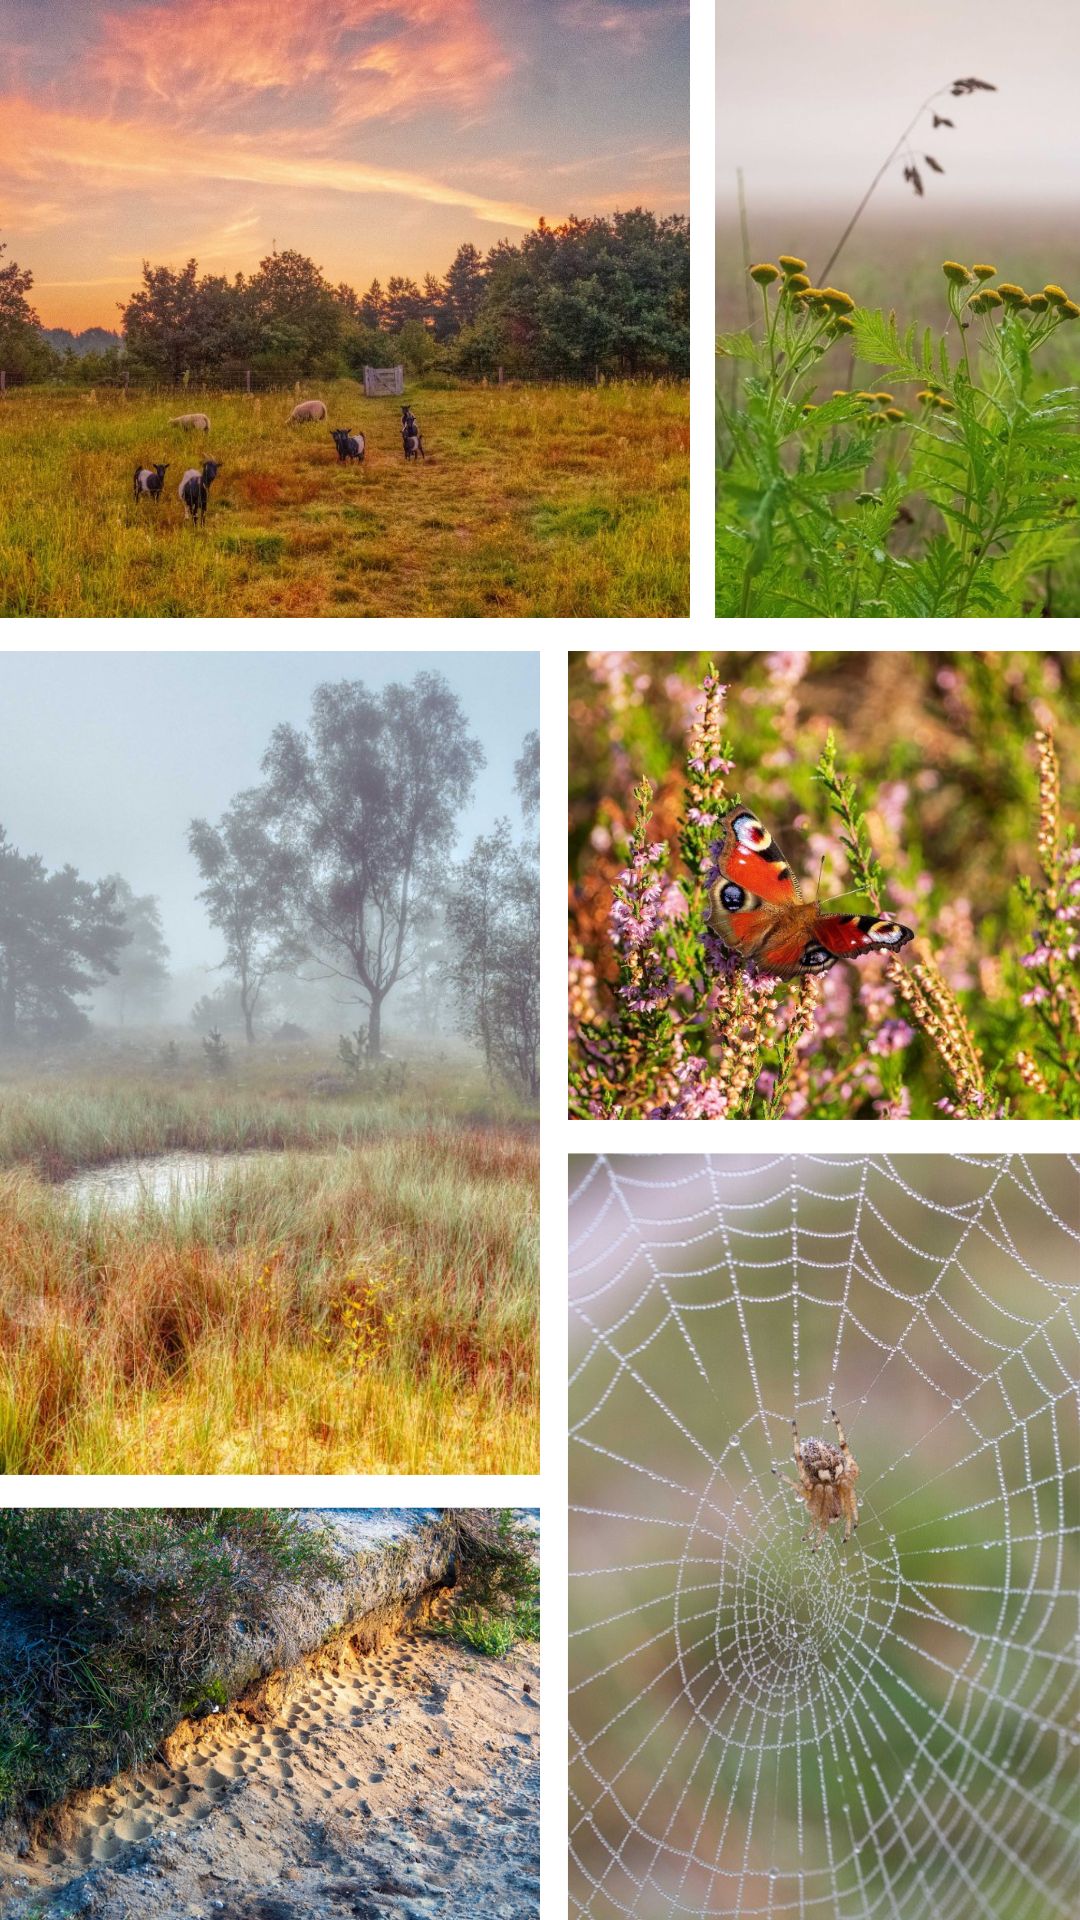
{"x":107,"y":759}
{"x":810,"y":99}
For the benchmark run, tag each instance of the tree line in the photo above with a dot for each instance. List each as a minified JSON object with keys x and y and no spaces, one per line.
{"x":599,"y":295}
{"x":337,"y":867}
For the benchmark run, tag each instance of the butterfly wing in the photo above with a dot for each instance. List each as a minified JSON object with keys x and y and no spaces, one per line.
{"x":754,"y":902}
{"x":848,"y":936}
{"x":756,"y":909}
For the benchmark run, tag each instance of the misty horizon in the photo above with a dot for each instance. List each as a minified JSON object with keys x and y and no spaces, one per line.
{"x":107,"y":758}
{"x":809,"y":104}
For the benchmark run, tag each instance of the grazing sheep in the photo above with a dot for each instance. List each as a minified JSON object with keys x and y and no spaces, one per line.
{"x":201,"y":421}
{"x":350,"y":446}
{"x":149,"y":482}
{"x":195,"y":487}
{"x":307,"y":410}
{"x":410,"y":435}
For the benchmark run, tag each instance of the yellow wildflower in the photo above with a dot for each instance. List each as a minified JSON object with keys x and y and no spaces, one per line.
{"x":955,"y":272}
{"x":765,"y":273}
{"x":982,"y":272}
{"x":792,"y":264}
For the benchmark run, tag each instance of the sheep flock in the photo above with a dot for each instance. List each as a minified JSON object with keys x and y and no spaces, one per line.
{"x":194,"y":488}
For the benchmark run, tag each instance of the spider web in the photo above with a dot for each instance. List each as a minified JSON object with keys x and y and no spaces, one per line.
{"x":759,"y":1727}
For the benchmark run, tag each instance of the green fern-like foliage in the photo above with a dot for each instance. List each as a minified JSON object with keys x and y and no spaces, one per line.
{"x":950,"y":498}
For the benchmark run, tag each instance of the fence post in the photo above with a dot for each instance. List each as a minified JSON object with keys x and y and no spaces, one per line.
{"x":247,"y":381}
{"x":500,"y":376}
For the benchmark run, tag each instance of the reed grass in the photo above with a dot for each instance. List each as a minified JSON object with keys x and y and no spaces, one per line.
{"x":550,"y":501}
{"x":364,"y":1301}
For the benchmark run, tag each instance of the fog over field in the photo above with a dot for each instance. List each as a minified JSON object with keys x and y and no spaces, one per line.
{"x":107,"y":758}
{"x":809,"y":99}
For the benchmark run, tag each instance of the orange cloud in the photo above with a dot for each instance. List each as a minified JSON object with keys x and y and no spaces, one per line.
{"x":41,"y":141}
{"x":356,"y":59}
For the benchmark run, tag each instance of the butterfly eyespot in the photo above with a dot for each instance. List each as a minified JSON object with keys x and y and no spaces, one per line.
{"x":888,"y":933}
{"x":750,"y":833}
{"x":816,"y":959}
{"x":731,"y":896}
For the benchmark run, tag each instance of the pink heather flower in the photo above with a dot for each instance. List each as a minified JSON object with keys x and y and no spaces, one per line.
{"x":1038,"y":957}
{"x":898,"y":1109}
{"x":699,"y":1098}
{"x":891,"y":1037}
{"x":1034,"y":997}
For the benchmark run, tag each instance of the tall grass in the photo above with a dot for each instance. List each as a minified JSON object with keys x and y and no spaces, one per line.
{"x":364,"y":1300}
{"x":545,"y":500}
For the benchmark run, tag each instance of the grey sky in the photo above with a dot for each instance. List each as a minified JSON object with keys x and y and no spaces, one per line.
{"x":811,"y":95}
{"x":105,"y":757}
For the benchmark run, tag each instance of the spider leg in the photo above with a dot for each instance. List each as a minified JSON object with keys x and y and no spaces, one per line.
{"x":844,"y":1448}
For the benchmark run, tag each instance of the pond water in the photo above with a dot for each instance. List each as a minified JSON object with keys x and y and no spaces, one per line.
{"x":163,"y":1178}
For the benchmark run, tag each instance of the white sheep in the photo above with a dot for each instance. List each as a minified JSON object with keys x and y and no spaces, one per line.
{"x":308,"y":410}
{"x":199,"y":420}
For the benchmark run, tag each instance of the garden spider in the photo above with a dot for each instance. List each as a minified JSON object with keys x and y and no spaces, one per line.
{"x":826,"y":1481}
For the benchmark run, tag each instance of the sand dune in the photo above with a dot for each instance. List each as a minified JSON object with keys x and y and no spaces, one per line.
{"x":398,"y":1783}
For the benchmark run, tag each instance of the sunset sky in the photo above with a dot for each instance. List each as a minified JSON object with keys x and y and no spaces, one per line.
{"x":375,"y":135}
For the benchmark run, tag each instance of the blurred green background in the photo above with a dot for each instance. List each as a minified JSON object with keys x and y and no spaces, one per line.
{"x":758,"y":1726}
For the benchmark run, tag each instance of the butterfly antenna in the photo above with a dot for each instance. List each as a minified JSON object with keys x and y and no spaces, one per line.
{"x":820,"y":871}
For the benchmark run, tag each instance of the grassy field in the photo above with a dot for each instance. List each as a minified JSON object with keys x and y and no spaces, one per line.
{"x":548,"y":501}
{"x":363,"y":1301}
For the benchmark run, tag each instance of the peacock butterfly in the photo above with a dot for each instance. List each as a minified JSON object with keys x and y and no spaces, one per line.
{"x":757,"y":910}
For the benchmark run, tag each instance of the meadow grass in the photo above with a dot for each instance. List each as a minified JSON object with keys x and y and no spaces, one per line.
{"x":364,"y":1301}
{"x":552,"y":501}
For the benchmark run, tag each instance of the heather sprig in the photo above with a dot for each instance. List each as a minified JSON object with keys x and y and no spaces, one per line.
{"x":920,"y":985}
{"x":1051,"y":1066}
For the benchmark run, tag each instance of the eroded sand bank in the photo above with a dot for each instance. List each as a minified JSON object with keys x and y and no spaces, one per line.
{"x":401,"y":1782}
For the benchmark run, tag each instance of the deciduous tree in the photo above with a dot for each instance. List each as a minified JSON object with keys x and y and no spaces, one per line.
{"x":247,"y":875}
{"x":365,"y":805}
{"x":60,"y":936}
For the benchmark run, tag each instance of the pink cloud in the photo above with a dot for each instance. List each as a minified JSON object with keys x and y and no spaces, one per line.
{"x":357,"y":59}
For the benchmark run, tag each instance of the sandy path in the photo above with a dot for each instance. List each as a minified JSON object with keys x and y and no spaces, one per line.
{"x":402,"y":1783}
